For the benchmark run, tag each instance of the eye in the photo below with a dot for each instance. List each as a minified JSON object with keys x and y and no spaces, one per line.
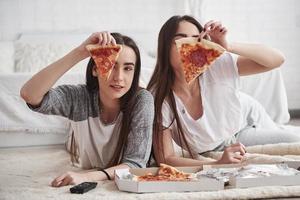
{"x":179,"y":37}
{"x":128,"y":68}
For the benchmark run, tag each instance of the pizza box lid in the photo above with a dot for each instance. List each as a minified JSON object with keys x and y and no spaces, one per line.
{"x":276,"y":180}
{"x":203,"y":184}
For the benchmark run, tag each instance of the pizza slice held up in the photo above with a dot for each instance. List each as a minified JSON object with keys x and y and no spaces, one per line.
{"x":196,"y":56}
{"x":166,"y":173}
{"x":104,"y":57}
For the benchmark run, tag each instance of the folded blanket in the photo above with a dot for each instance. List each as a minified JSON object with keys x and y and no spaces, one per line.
{"x":276,"y":149}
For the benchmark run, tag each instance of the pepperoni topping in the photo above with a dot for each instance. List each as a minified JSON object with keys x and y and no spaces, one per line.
{"x":102,"y":52}
{"x":104,"y":64}
{"x":198,"y":57}
{"x":194,"y":58}
{"x":102,"y":58}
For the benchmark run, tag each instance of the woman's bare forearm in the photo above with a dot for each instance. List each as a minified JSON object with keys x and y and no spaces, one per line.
{"x":180,"y":161}
{"x":261,"y":54}
{"x":100,"y":176}
{"x":34,"y":90}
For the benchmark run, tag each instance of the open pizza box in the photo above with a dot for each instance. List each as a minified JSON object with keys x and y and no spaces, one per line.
{"x":203,"y":184}
{"x":257,"y":181}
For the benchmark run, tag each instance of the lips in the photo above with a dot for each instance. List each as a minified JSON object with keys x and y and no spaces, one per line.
{"x":116,"y":87}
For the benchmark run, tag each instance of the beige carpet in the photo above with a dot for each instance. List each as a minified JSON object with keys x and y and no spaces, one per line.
{"x":25,"y":173}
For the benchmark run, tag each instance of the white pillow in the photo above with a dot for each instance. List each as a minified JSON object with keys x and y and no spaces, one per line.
{"x":6,"y":57}
{"x":34,"y":52}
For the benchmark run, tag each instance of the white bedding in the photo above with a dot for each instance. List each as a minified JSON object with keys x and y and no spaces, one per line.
{"x":268,"y":89}
{"x":19,"y":126}
{"x":25,"y":173}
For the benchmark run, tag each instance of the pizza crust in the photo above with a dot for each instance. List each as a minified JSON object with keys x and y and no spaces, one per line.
{"x":204,"y":43}
{"x":91,"y":47}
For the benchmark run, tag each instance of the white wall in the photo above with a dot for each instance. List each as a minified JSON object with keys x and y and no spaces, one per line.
{"x":275,"y":23}
{"x":19,"y":16}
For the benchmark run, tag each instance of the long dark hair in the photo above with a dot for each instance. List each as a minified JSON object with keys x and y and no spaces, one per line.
{"x":127,"y":101}
{"x":163,"y":73}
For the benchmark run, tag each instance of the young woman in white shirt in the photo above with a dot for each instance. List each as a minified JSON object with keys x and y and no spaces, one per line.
{"x":210,"y":113}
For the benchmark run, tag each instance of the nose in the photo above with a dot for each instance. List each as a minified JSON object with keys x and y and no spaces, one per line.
{"x":117,"y":74}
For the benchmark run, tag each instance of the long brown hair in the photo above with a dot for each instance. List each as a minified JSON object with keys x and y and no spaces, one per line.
{"x":127,"y":101}
{"x":161,"y":84}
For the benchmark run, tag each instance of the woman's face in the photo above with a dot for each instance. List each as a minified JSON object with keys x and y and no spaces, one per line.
{"x":121,"y":77}
{"x":185,"y":29}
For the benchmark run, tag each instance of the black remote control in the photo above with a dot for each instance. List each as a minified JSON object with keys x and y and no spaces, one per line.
{"x":83,"y":187}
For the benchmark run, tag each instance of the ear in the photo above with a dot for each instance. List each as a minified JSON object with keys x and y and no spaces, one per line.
{"x":94,"y":71}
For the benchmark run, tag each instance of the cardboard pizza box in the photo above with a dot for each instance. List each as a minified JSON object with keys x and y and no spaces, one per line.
{"x":203,"y":184}
{"x":276,"y":180}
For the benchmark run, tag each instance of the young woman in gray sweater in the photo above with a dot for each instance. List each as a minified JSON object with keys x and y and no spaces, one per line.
{"x":111,"y":120}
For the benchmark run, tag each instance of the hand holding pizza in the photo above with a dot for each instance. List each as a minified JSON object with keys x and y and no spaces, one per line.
{"x":101,"y":38}
{"x":196,"y":57}
{"x":217,"y":32}
{"x":103,"y":49}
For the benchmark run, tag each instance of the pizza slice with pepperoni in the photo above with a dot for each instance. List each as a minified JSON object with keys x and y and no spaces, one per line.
{"x":172,"y":173}
{"x":104,"y":57}
{"x":196,"y":56}
{"x":166,"y":173}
